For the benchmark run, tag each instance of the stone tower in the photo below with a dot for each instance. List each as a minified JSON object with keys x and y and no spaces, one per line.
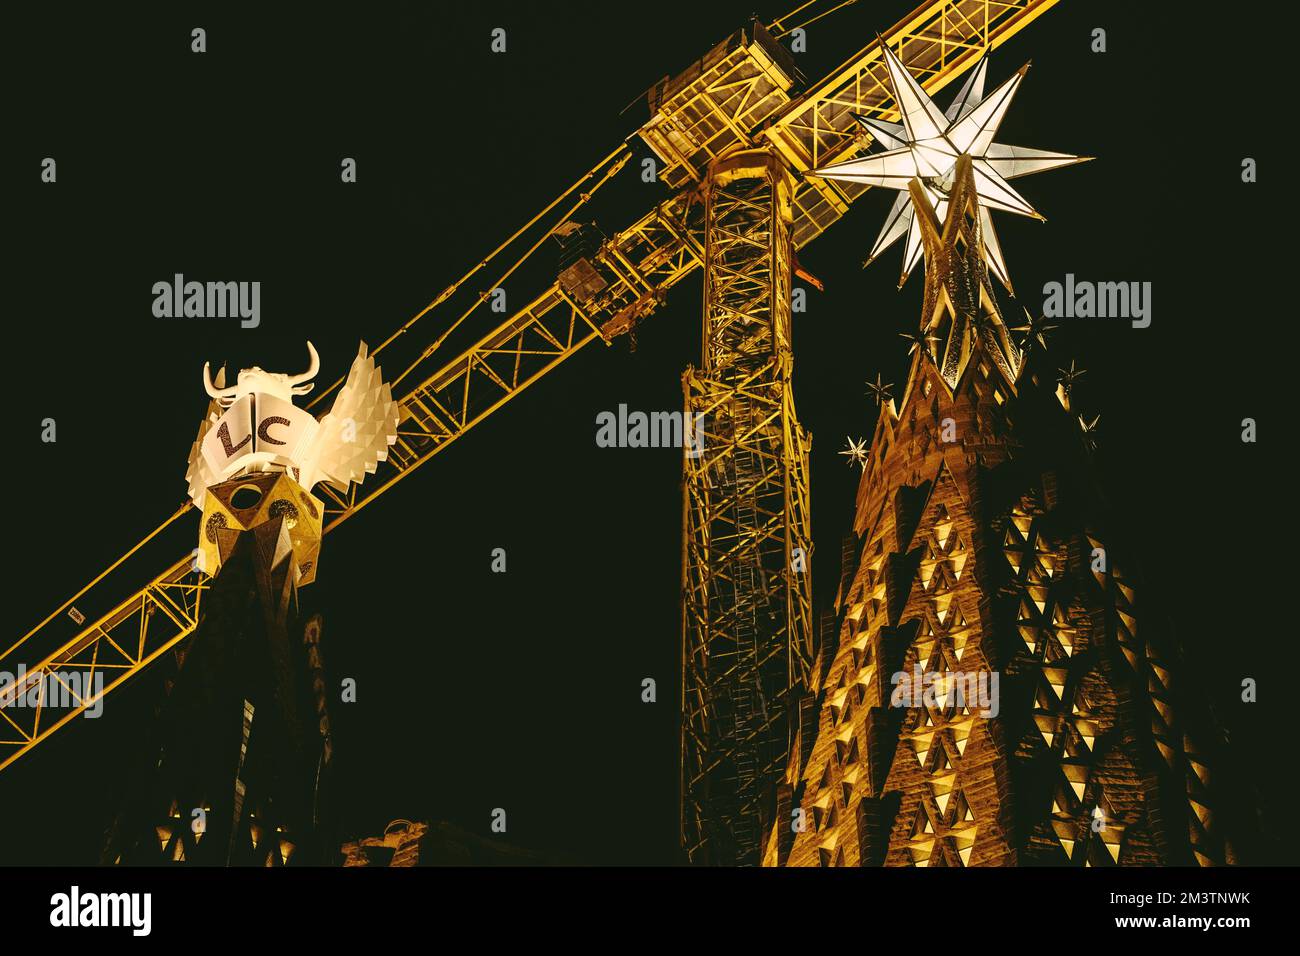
{"x":237,"y":770}
{"x":997,"y":697}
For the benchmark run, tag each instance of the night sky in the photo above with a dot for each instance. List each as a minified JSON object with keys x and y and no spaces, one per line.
{"x":522,"y":690}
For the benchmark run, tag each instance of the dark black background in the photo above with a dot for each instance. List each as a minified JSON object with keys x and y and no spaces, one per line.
{"x":522,"y":690}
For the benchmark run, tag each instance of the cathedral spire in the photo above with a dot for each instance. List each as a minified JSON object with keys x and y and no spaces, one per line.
{"x":991,"y":700}
{"x":960,"y":314}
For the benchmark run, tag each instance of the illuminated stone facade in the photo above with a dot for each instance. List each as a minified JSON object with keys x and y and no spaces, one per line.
{"x":979,"y":549}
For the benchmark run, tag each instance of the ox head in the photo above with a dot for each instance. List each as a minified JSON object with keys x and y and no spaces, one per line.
{"x":254,"y":379}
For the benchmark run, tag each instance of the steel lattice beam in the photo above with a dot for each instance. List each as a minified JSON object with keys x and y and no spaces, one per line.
{"x":639,"y":265}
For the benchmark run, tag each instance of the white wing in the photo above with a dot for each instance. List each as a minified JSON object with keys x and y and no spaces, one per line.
{"x":355,"y":435}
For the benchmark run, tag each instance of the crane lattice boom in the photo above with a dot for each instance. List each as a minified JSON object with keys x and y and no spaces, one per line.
{"x":736,"y":97}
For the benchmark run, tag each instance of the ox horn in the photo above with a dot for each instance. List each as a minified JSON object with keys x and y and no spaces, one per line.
{"x":311,"y":370}
{"x":212,"y":390}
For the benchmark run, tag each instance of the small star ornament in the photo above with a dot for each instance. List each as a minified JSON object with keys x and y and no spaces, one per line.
{"x":1069,"y":375}
{"x":856,"y":452}
{"x":919,"y":340}
{"x":1035,"y":331}
{"x":879,"y":390}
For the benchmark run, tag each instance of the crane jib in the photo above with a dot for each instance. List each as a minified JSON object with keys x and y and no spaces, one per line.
{"x":938,"y":39}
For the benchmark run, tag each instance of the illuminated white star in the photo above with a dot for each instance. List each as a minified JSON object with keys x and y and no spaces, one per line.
{"x":925,"y":146}
{"x":856,"y":452}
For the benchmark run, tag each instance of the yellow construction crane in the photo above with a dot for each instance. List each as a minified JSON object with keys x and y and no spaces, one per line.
{"x":733,"y":135}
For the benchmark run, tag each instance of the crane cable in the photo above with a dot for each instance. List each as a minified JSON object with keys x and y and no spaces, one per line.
{"x":778,"y":29}
{"x":611,"y":164}
{"x":618,"y":157}
{"x":108,"y":570}
{"x":583,"y":199}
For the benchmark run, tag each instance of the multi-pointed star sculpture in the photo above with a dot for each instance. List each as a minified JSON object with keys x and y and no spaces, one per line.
{"x":856,"y":452}
{"x":1035,"y":331}
{"x":926,"y":145}
{"x":920,"y":339}
{"x":1069,"y":375}
{"x":879,"y":390}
